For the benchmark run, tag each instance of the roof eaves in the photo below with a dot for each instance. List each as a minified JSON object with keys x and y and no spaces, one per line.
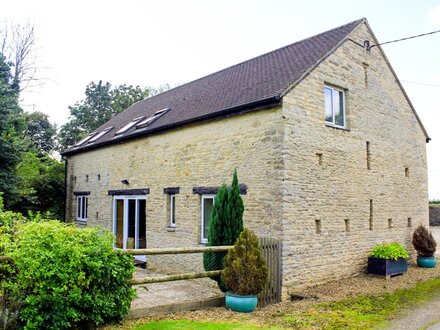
{"x":264,"y":103}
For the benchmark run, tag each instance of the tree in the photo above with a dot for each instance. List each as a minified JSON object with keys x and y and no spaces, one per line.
{"x":17,"y":43}
{"x":39,"y":185}
{"x":100,"y":104}
{"x":40,"y":131}
{"x":225,"y":225}
{"x":12,"y":126}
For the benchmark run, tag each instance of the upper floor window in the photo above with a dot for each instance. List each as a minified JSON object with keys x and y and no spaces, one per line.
{"x":81,"y":208}
{"x":334,"y":106}
{"x":172,"y":210}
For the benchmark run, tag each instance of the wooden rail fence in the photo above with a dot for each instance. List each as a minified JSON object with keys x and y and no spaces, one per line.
{"x":271,"y":251}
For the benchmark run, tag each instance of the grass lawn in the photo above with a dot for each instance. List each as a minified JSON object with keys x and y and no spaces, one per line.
{"x":360,"y":312}
{"x":194,"y":325}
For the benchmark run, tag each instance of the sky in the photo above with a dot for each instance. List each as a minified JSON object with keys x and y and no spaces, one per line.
{"x":150,"y":43}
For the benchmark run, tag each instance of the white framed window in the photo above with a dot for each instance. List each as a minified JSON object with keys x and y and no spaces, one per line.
{"x":207,"y":205}
{"x":334,"y":106}
{"x":129,"y":125}
{"x":129,"y":221}
{"x":172,"y":210}
{"x":100,"y":134}
{"x":82,"y":204}
{"x":149,"y":120}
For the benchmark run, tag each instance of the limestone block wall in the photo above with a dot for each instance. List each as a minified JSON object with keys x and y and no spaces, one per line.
{"x":199,"y":155}
{"x":328,"y":202}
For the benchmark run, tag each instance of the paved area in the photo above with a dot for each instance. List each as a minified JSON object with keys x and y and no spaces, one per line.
{"x":426,"y":316}
{"x":157,"y":298}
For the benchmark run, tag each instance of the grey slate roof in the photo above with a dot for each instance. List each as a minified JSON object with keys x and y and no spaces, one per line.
{"x":255,"y":83}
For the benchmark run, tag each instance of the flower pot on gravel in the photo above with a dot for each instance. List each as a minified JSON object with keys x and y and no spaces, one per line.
{"x":388,"y":260}
{"x":387,"y":267}
{"x":425,"y":245}
{"x":427,"y":262}
{"x":239,"y":303}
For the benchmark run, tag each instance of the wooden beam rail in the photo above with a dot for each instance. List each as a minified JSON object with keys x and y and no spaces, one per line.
{"x":143,"y":252}
{"x":179,"y":277}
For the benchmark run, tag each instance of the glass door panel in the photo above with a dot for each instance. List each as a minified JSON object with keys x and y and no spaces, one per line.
{"x":119,"y":223}
{"x":142,"y":228}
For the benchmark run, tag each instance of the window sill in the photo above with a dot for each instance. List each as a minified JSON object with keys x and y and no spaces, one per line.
{"x":82,"y":222}
{"x":337,"y":127}
{"x":171,"y":229}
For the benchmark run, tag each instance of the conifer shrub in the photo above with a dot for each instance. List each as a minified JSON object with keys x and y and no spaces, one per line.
{"x":424,"y":242}
{"x":225,"y":225}
{"x":67,"y":277}
{"x":245,"y":271}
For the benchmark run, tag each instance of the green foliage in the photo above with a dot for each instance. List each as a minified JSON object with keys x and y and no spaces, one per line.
{"x":67,"y":277}
{"x":392,"y":251}
{"x":39,"y":186}
{"x":12,"y":142}
{"x":225,"y":226}
{"x":100,"y":104}
{"x":245,"y":271}
{"x":434,"y":201}
{"x":424,"y":242}
{"x":40,"y":131}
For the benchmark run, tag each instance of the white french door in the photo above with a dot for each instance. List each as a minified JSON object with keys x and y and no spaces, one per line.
{"x":129,"y":222}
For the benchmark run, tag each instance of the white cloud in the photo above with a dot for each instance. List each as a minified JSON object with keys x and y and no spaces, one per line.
{"x":434,"y":16}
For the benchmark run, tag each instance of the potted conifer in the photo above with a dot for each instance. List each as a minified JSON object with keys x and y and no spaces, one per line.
{"x":425,"y":245}
{"x":245,"y":273}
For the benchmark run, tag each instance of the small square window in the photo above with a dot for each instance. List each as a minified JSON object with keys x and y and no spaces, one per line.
{"x":82,"y":204}
{"x":334,"y":106}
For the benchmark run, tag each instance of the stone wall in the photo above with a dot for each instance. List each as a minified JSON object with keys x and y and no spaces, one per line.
{"x":334,"y":193}
{"x":434,"y":215}
{"x":198,"y":155}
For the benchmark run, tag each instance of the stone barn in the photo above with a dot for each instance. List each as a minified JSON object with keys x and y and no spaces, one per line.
{"x":330,"y":152}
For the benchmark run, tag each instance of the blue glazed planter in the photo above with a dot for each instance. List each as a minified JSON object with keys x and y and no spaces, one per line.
{"x":426,"y":262}
{"x":242,"y":304}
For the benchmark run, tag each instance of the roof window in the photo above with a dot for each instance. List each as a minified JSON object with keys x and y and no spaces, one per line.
{"x":149,"y":120}
{"x":87,"y":138}
{"x":129,"y":125}
{"x":100,"y":134}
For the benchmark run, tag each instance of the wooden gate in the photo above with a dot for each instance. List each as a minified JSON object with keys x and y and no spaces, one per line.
{"x":272,"y":254}
{"x":271,"y":251}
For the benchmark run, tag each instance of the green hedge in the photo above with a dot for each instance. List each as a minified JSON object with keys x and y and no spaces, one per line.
{"x":67,"y":277}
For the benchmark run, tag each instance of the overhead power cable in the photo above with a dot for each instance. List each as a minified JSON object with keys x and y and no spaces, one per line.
{"x":407,"y":38}
{"x":420,"y":83}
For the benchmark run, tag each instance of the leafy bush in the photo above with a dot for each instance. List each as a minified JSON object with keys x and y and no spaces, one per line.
{"x":392,"y":251}
{"x":245,"y":271}
{"x":67,"y":277}
{"x":424,"y":242}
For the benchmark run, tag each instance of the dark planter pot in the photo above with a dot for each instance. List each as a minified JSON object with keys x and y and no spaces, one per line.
{"x":242,"y":304}
{"x":427,"y":262}
{"x":387,"y":267}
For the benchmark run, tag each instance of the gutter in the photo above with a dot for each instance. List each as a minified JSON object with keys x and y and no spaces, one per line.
{"x":265,"y":103}
{"x":65,"y":189}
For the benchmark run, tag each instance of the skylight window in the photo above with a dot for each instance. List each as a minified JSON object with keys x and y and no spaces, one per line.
{"x":129,"y":125}
{"x":87,"y":138}
{"x":100,"y":134}
{"x":149,"y":120}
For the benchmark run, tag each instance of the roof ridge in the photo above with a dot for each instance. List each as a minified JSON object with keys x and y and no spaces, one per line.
{"x":258,"y":56}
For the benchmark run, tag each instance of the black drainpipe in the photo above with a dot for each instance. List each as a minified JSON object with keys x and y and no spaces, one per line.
{"x":65,"y":189}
